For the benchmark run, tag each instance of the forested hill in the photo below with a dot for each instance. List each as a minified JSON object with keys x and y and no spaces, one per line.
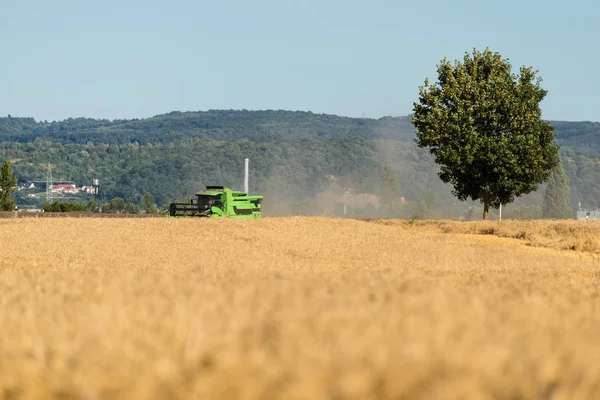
{"x":217,"y":125}
{"x":259,"y":126}
{"x":297,"y":159}
{"x":584,"y":136}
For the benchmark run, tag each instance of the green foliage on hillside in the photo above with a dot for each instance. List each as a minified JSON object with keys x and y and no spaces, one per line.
{"x":583,"y":137}
{"x":302,"y":162}
{"x":218,"y":125}
{"x":294,"y":168}
{"x":242,"y":124}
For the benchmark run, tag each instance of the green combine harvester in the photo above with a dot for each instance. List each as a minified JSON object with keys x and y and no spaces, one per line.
{"x":219,"y":202}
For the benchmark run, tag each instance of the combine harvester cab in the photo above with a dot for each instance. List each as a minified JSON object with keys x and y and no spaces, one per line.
{"x":219,"y":202}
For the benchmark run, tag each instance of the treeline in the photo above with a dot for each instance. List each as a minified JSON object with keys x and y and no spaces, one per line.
{"x":287,"y":171}
{"x":217,"y":125}
{"x":250,"y":125}
{"x":291,"y":169}
{"x":582,"y":137}
{"x":302,"y":162}
{"x":115,"y":205}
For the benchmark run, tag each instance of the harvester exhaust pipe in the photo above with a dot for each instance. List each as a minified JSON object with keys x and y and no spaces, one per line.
{"x":246,"y":175}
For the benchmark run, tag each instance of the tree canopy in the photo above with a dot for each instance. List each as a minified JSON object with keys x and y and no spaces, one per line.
{"x":389,"y":190}
{"x":483,"y":125}
{"x":8,"y":185}
{"x":557,"y":204}
{"x":148,"y":204}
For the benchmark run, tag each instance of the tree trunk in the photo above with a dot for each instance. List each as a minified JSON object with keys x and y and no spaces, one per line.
{"x":486,"y":208}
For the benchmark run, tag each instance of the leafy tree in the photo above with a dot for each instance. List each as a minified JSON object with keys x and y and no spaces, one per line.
{"x":557,"y":204}
{"x":8,"y":184}
{"x":64,"y":206}
{"x":115,"y":205}
{"x":131,"y":208}
{"x":483,"y":125}
{"x":92,"y":206}
{"x":388,"y":186}
{"x":148,"y":204}
{"x":430,"y":200}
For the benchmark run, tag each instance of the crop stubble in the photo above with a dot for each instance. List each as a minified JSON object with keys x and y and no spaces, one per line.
{"x":294,"y":308}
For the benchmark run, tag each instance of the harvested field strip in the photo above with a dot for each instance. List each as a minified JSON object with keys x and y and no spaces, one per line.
{"x":581,"y":236}
{"x":290,"y":308}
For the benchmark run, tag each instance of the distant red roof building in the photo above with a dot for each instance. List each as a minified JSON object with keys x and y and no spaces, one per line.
{"x":64,"y":188}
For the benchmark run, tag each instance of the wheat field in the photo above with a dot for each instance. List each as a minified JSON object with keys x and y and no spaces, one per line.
{"x":298,"y":308}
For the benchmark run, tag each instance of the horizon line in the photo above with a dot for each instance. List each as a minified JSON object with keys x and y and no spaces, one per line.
{"x":246,"y":110}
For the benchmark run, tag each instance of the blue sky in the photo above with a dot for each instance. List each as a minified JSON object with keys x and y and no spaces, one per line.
{"x":138,"y":58}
